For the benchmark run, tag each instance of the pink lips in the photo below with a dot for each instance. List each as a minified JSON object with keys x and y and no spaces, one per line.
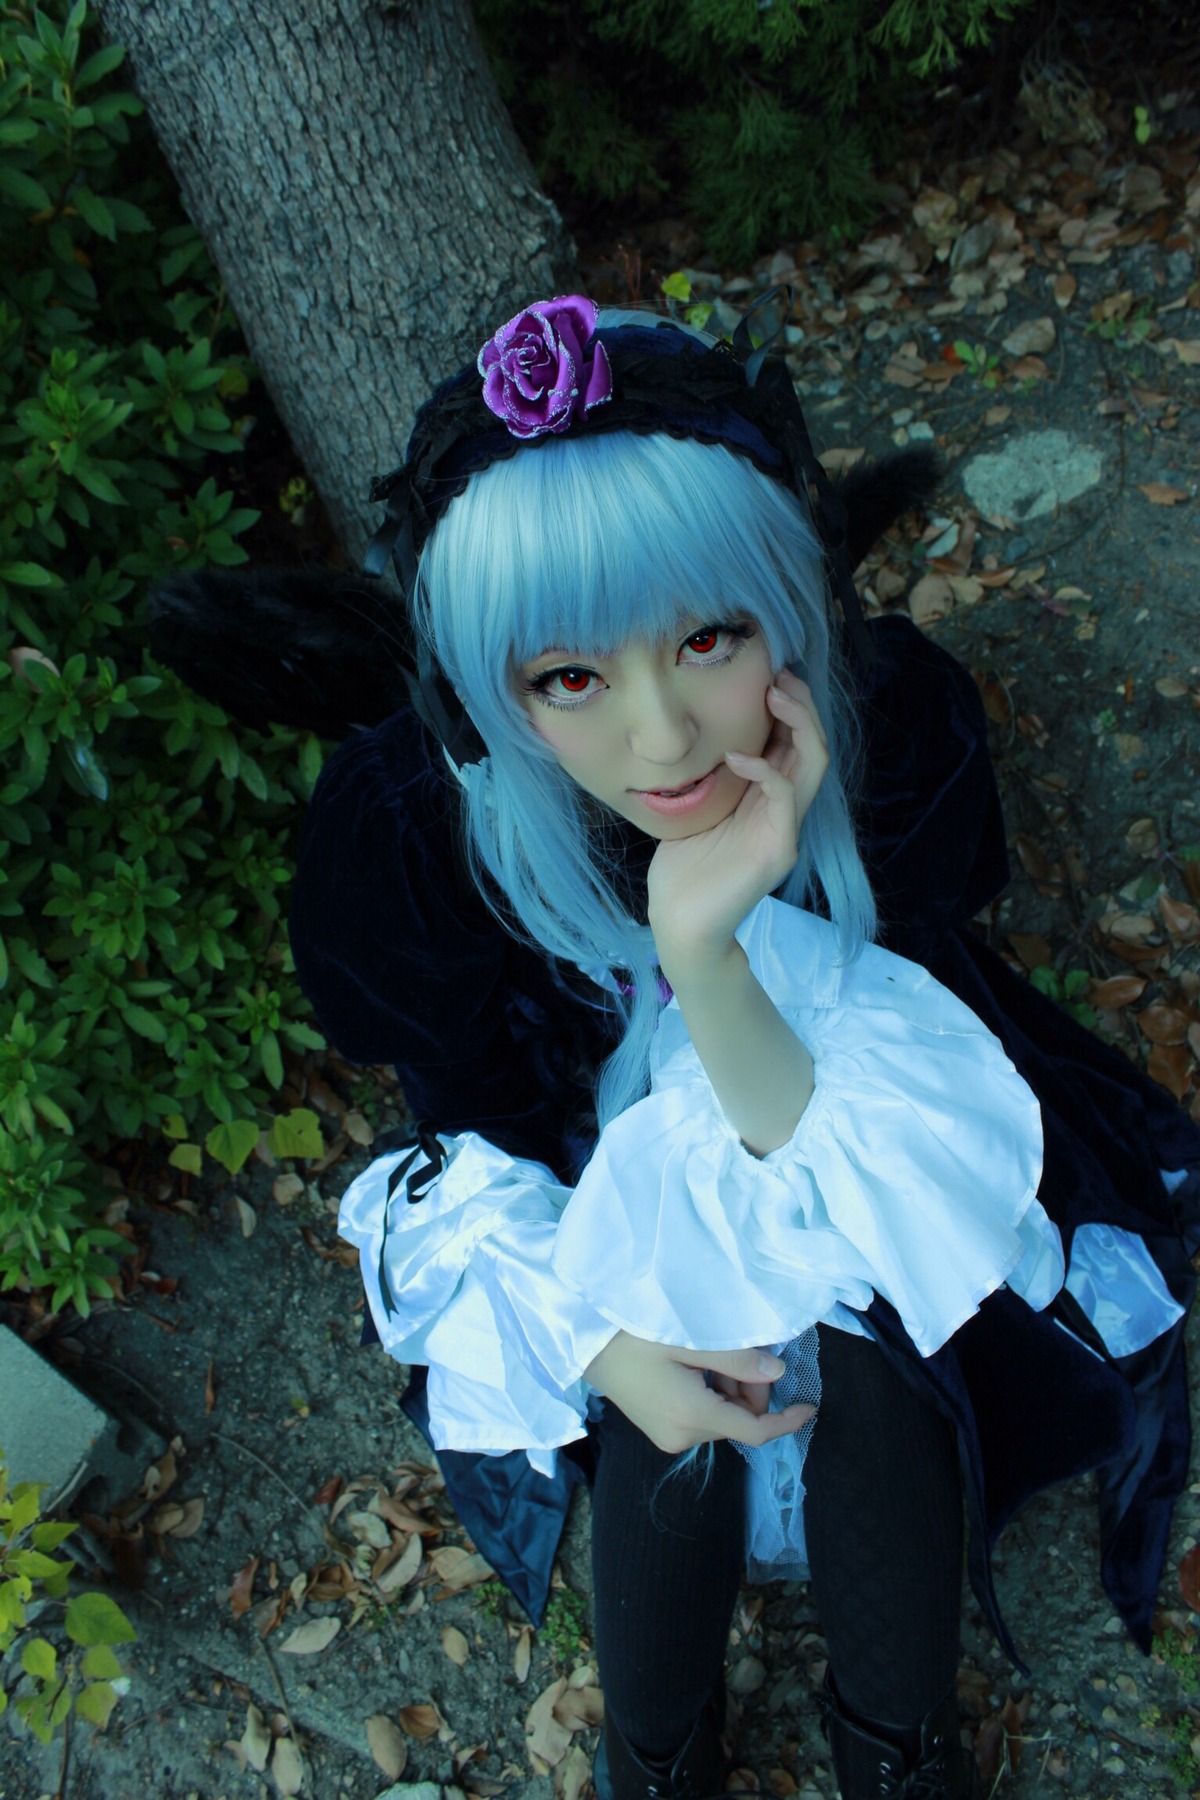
{"x":671,"y":803}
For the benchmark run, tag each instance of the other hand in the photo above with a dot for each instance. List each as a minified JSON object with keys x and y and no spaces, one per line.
{"x":662,"y":1390}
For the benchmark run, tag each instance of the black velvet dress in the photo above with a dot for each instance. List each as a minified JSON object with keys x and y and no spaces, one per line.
{"x":405,"y":964}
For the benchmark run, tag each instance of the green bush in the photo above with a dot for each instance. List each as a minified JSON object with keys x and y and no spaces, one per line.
{"x":87,"y":1678}
{"x":145,"y":842}
{"x":775,"y":113}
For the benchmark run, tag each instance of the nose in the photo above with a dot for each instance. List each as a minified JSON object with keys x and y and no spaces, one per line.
{"x":661,"y":730}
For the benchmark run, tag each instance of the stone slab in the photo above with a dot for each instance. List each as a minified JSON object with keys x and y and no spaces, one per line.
{"x":1033,"y":476}
{"x":52,"y":1433}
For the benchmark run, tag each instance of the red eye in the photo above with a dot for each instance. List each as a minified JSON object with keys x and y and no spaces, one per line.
{"x":703,"y":641}
{"x":574,"y":680}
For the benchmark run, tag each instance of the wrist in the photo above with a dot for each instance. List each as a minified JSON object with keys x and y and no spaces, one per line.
{"x":698,"y":964}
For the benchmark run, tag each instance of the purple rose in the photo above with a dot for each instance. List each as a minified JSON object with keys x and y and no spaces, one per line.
{"x":544,"y":369}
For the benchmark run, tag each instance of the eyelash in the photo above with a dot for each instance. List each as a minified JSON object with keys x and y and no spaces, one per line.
{"x":740,"y":633}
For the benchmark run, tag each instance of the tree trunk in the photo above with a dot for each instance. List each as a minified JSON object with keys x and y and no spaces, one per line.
{"x":359,"y":184}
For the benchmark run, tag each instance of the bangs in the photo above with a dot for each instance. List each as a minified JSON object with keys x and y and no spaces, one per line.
{"x":587,"y":545}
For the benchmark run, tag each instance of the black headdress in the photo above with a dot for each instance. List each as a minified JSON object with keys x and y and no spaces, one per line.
{"x":312,"y":648}
{"x":664,"y":380}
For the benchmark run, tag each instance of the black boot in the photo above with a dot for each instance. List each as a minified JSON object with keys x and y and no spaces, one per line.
{"x":871,"y":1768}
{"x":697,"y":1773}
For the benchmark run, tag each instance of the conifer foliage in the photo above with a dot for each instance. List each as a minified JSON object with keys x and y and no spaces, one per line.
{"x":774,"y":114}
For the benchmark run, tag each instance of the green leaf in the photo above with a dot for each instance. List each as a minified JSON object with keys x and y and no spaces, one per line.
{"x":50,"y":1535}
{"x":96,"y":211}
{"x":97,"y":66}
{"x":23,"y":189}
{"x":272,"y":1059}
{"x":146,"y":1024}
{"x":95,"y":1703}
{"x":174,"y":1126}
{"x":232,"y":1143}
{"x":98,"y":483}
{"x":38,"y":1659}
{"x":28,"y":574}
{"x":297,"y":1133}
{"x":95,"y":1619}
{"x":25,"y":1509}
{"x":311,"y":759}
{"x":1046,"y":981}
{"x":186,"y":1157}
{"x":99,"y":1664}
{"x":677,"y":286}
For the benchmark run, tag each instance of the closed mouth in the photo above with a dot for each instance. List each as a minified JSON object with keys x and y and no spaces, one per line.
{"x":675,"y":792}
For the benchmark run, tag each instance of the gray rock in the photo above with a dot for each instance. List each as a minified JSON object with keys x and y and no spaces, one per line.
{"x":53,"y":1434}
{"x":1033,"y":475}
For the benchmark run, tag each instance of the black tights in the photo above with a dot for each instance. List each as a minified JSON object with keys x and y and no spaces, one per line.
{"x":883,"y":1523}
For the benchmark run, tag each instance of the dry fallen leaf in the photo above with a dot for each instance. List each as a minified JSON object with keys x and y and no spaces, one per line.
{"x":287,"y":1766}
{"x":1117,"y":991}
{"x":522,"y":1655}
{"x":455,"y":1645}
{"x":1033,"y":337}
{"x":1142,"y":837}
{"x":457,"y":1569}
{"x":255,"y":1741}
{"x":1163,"y":1024}
{"x":387,"y":1745}
{"x":931,"y":598}
{"x":1064,"y":288}
{"x":1182,"y":921}
{"x":370,"y":1529}
{"x":247,"y":1217}
{"x":574,"y":1776}
{"x":178,"y":1519}
{"x":391,"y":1577}
{"x":210,"y":1387}
{"x":243,"y":1587}
{"x":358,"y":1130}
{"x":1171,"y":1067}
{"x":1128,"y":928}
{"x":327,"y":1494}
{"x":311,"y":1638}
{"x":1186,"y":349}
{"x":1032,"y":949}
{"x":421,"y":1721}
{"x":547,"y":1740}
{"x":1171,"y":688}
{"x":1161,"y":493}
{"x":287,"y":1188}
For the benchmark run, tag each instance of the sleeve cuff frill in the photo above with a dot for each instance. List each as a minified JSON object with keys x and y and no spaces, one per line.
{"x":462,"y":1280}
{"x":912,"y":1172}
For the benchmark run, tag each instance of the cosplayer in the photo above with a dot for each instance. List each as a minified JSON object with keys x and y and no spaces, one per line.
{"x":732,"y":1141}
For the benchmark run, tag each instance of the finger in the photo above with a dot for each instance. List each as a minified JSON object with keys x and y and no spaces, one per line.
{"x":775,"y":783}
{"x":797,"y":710}
{"x":755,"y":1399}
{"x":726,"y":1419}
{"x":755,"y":1365}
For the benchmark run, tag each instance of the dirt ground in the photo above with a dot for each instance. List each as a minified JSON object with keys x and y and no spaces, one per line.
{"x":238,"y":1342}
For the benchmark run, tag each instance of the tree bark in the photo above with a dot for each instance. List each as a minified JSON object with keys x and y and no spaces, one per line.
{"x":359,"y":184}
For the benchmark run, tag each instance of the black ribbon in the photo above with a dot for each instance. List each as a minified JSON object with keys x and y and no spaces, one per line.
{"x":416,"y":1182}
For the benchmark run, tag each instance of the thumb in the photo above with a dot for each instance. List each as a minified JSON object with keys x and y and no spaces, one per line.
{"x":740,"y":1365}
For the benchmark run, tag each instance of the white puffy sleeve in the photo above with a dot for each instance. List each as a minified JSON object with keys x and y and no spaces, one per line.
{"x":912,"y":1172}
{"x":462,"y":1280}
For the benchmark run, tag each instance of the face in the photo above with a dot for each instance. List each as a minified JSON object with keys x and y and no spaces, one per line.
{"x":646,"y":730}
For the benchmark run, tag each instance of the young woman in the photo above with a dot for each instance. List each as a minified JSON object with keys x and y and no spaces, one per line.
{"x":701,"y":1164}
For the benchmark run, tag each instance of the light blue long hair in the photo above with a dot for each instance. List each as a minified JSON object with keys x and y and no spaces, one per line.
{"x":591,"y":543}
